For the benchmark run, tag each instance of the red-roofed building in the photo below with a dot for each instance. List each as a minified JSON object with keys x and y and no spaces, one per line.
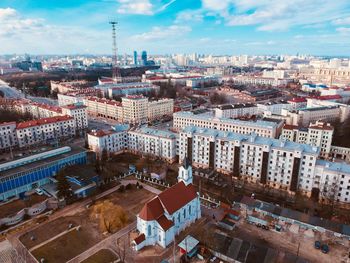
{"x":43,"y":130}
{"x":8,"y":136}
{"x":169,"y":213}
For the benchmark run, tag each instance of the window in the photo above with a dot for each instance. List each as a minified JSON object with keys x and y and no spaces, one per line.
{"x":149,"y":230}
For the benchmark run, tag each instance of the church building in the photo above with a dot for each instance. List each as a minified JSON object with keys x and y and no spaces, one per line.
{"x":167,"y":214}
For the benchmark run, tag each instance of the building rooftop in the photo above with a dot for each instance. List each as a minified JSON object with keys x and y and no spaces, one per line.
{"x":254,"y":139}
{"x":155,"y":132}
{"x":209,"y":117}
{"x":41,"y":162}
{"x":27,"y":124}
{"x":334,"y":166}
{"x":236,"y":106}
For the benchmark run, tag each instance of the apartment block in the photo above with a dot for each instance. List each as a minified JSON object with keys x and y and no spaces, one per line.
{"x":262,"y":128}
{"x":280,"y":164}
{"x":43,"y":130}
{"x":319,"y":134}
{"x":8,"y":136}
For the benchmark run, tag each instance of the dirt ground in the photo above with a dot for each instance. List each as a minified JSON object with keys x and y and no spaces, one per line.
{"x":66,"y":247}
{"x":131,"y":200}
{"x":102,"y":256}
{"x":15,"y":206}
{"x":53,"y":228}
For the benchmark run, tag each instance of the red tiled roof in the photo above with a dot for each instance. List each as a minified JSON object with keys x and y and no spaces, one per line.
{"x":165,"y":223}
{"x":297,"y":99}
{"x":152,"y":210}
{"x":74,"y":106}
{"x":101,"y":133}
{"x":27,"y":124}
{"x":177,"y":196}
{"x":290,"y":127}
{"x":233,"y":212}
{"x":328,"y":97}
{"x":140,"y":239}
{"x":106,"y":101}
{"x":7,"y":123}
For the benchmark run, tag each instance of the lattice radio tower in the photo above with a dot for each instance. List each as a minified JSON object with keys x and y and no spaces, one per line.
{"x":115,"y":68}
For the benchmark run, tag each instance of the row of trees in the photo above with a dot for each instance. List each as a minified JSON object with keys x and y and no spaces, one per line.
{"x":7,"y":115}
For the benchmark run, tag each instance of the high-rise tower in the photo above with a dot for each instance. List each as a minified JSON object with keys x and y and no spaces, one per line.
{"x":115,"y":68}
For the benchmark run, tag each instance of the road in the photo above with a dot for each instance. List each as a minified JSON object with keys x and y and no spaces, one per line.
{"x":10,"y":92}
{"x":110,"y":241}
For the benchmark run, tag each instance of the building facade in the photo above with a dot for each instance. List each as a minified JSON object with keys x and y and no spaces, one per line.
{"x":318,"y":134}
{"x":259,"y":127}
{"x":169,"y":213}
{"x":26,"y":174}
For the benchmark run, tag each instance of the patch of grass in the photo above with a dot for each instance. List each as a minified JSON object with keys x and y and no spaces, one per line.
{"x":65,"y":247}
{"x":102,"y":256}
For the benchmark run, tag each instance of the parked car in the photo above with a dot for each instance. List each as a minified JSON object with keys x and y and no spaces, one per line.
{"x":325,"y":248}
{"x":317,"y":244}
{"x":39,"y":191}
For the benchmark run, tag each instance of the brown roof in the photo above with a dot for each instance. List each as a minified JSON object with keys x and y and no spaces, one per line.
{"x":140,"y":239}
{"x":152,"y":210}
{"x":177,"y":196}
{"x":165,"y":223}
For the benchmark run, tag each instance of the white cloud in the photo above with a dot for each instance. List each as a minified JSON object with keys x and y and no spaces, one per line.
{"x":342,"y":21}
{"x":273,"y":15}
{"x":140,"y":7}
{"x":189,"y":16}
{"x":343,"y":30}
{"x":163,"y":33}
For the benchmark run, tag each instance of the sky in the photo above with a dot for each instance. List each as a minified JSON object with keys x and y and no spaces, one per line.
{"x":218,"y":27}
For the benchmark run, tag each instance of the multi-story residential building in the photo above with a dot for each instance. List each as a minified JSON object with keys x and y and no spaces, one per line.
{"x":333,"y":181}
{"x":105,"y":108}
{"x":132,"y":109}
{"x":113,"y":141}
{"x":318,"y":134}
{"x":298,"y":103}
{"x":156,"y":143}
{"x":75,"y":97}
{"x":159,"y":108}
{"x":145,"y":141}
{"x":303,"y":117}
{"x":129,"y":88}
{"x":43,"y":130}
{"x":28,"y":173}
{"x":135,"y":109}
{"x":260,"y":80}
{"x":329,"y":76}
{"x":260,"y":127}
{"x":8,"y":136}
{"x":275,"y":107}
{"x":236,"y":110}
{"x":68,"y":86}
{"x":276,"y":163}
{"x":79,"y":113}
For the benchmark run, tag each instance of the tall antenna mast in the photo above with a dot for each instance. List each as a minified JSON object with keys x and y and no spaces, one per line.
{"x":115,"y":69}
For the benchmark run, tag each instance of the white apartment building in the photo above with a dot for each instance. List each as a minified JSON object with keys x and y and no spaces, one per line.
{"x":298,"y":103}
{"x":135,"y":109}
{"x":260,"y":127}
{"x":344,"y":109}
{"x":143,"y":141}
{"x":236,"y":110}
{"x":43,"y":130}
{"x":79,"y":113}
{"x":159,"y":108}
{"x":156,"y":143}
{"x":275,"y":107}
{"x":132,"y":109}
{"x":113,"y":141}
{"x":260,"y":80}
{"x":8,"y":136}
{"x":303,"y":117}
{"x":105,"y":108}
{"x":281,"y":164}
{"x":318,"y":134}
{"x":333,"y":180}
{"x":67,"y":99}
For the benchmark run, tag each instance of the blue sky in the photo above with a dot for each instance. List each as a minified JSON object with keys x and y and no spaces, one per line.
{"x":320,"y":27}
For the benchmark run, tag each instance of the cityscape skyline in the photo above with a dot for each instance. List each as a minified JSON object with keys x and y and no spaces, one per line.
{"x":173,"y":26}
